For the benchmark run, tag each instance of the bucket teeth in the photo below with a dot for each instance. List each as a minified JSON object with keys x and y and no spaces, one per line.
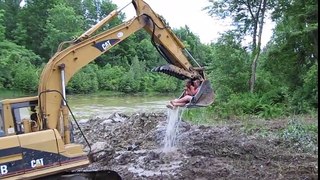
{"x":172,"y":70}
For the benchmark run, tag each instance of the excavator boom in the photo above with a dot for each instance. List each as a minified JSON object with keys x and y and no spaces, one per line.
{"x":43,"y":140}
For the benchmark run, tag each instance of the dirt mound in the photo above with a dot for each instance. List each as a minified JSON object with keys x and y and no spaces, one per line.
{"x":132,"y":145}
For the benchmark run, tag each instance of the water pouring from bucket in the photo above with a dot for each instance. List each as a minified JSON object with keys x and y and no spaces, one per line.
{"x":171,"y":134}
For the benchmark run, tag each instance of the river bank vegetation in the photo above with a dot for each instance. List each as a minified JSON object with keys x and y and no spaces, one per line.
{"x":279,"y":79}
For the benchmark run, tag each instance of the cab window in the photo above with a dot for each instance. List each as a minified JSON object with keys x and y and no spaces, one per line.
{"x":22,"y":111}
{"x":19,"y":115}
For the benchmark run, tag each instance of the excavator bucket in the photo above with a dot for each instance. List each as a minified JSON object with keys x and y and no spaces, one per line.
{"x":204,"y":97}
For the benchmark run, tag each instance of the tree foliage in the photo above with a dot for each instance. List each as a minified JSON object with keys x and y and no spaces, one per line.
{"x":10,"y":9}
{"x":17,"y":69}
{"x":229,"y":70}
{"x":2,"y":27}
{"x":286,"y":76}
{"x":293,"y":51}
{"x":248,"y":16}
{"x":62,"y":25}
{"x":85,"y":81}
{"x":31,"y":23}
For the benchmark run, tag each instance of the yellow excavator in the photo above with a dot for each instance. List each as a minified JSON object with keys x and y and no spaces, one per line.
{"x":35,"y":132}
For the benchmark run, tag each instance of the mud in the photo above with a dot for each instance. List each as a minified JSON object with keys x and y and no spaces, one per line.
{"x":132,"y":145}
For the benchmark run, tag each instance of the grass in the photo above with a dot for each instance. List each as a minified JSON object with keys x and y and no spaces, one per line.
{"x":298,"y":133}
{"x":301,"y":135}
{"x":200,"y":116}
{"x":295,"y":133}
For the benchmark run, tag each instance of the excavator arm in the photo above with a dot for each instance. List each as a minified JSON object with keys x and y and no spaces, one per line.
{"x":87,"y":47}
{"x":35,"y":137}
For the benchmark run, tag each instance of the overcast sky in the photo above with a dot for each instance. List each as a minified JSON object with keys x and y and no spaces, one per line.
{"x":179,"y":13}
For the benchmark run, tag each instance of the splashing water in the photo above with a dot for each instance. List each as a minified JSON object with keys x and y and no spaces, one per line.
{"x":173,"y":121}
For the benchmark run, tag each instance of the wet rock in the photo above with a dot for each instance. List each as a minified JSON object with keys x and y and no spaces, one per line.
{"x":101,"y":151}
{"x":132,"y":147}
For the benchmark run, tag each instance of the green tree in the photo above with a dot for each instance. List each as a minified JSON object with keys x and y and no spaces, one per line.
{"x":25,"y":77}
{"x":147,"y":52}
{"x":298,"y":20}
{"x":95,"y":10}
{"x":193,"y":44}
{"x":131,"y":82}
{"x":165,"y":84}
{"x":229,"y":71}
{"x":249,"y":19}
{"x":16,"y":67}
{"x":30,"y":30}
{"x":62,"y":25}
{"x":293,"y":53}
{"x":76,"y":5}
{"x":11,"y":9}
{"x":121,"y":54}
{"x":84,"y":81}
{"x":2,"y":27}
{"x":109,"y":77}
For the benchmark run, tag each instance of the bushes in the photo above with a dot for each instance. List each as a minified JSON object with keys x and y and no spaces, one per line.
{"x":305,"y":99}
{"x":116,"y":78}
{"x":165,"y":84}
{"x":16,"y":67}
{"x":16,"y":72}
{"x":26,"y":78}
{"x":109,"y":77}
{"x":131,"y":81}
{"x":128,"y":83}
{"x":85,"y":81}
{"x":249,"y":104}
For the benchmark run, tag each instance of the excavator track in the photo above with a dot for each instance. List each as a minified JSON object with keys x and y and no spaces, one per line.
{"x":92,"y":175}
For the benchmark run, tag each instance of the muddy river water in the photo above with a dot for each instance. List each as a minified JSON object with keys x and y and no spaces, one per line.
{"x":93,"y":106}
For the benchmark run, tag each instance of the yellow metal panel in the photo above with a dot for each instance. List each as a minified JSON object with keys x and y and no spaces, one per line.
{"x":59,"y":141}
{"x":18,"y":100}
{"x":41,"y":141}
{"x":7,"y":113}
{"x":9,"y":142}
{"x":8,"y":120}
{"x":69,"y":150}
{"x":10,"y":158}
{"x":73,"y":150}
{"x":6,"y":143}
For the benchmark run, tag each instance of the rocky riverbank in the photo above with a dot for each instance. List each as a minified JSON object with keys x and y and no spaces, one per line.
{"x":132,"y":145}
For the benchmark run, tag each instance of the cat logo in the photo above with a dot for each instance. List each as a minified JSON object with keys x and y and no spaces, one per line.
{"x":37,"y":163}
{"x":105,"y":45}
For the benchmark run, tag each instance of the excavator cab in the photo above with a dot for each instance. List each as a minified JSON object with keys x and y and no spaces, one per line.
{"x":18,"y":116}
{"x":27,"y":149}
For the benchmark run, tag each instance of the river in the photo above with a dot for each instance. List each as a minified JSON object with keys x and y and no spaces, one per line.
{"x":101,"y":105}
{"x":92,"y":106}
